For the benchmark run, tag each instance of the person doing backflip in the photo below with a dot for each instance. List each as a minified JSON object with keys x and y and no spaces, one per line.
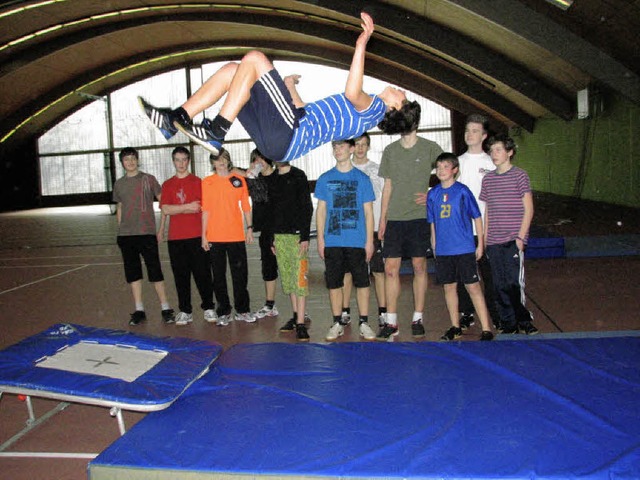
{"x":282,"y":126}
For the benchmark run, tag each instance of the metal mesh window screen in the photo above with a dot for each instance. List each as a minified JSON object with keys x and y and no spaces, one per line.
{"x":85,"y":130}
{"x":74,"y":174}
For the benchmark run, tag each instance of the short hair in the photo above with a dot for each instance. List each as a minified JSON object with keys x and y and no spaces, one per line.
{"x":364,"y":135}
{"x":255,"y":153}
{"x":478,"y":118}
{"x":350,"y":141}
{"x":505,"y":140}
{"x":128,"y":151}
{"x":404,"y":120}
{"x":448,"y":157}
{"x":181,"y":149}
{"x":222,"y":155}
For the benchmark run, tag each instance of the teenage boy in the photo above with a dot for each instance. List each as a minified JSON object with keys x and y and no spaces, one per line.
{"x":406,"y":168}
{"x":271,"y":111}
{"x":475,"y":163}
{"x":361,"y":161}
{"x":508,"y":215}
{"x":451,"y":210}
{"x":180,"y":201}
{"x":225,"y":211}
{"x":134,"y":194}
{"x":344,"y":222}
{"x":291,"y":230}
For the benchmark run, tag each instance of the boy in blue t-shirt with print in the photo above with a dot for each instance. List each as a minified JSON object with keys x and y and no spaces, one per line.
{"x":344,"y":222}
{"x":450,"y":208}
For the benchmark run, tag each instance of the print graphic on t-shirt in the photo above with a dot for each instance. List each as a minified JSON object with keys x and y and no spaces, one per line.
{"x":344,"y":213}
{"x":182,"y":196}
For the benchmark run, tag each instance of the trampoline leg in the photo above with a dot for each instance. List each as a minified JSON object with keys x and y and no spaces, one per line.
{"x":32,"y":417}
{"x":117,"y":412}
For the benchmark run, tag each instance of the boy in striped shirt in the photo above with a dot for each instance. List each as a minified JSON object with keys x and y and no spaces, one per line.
{"x":508,"y":215}
{"x":282,"y":126}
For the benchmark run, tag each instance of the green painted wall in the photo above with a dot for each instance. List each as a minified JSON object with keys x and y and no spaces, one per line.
{"x":597,"y":158}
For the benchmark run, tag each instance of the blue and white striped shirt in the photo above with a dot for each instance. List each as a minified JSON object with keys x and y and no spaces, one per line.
{"x":329,"y":119}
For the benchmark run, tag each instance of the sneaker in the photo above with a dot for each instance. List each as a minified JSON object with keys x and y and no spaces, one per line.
{"x":162,"y":118}
{"x":201,"y":134}
{"x":184,"y":318}
{"x":307,"y":318}
{"x":301,"y":332}
{"x":511,"y":330}
{"x":345,"y":318}
{"x":451,"y":334}
{"x":387,"y":332}
{"x":290,"y":326}
{"x":210,"y":315}
{"x":336,"y":330}
{"x":168,"y":316}
{"x":417,"y":329}
{"x":528,"y":329}
{"x":267,"y":311}
{"x":137,"y":317}
{"x":244,"y":317}
{"x":486,"y":336}
{"x":366,"y":332}
{"x":223,"y":320}
{"x":467,"y":320}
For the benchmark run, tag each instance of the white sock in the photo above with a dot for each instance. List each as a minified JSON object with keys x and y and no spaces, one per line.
{"x":165,"y":306}
{"x":417,"y":316}
{"x":392,"y":319}
{"x":140,"y":306}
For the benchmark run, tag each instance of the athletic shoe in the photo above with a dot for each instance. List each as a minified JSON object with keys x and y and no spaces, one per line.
{"x":137,"y":317}
{"x":467,"y":320}
{"x":201,"y":134}
{"x":511,"y":330}
{"x":307,"y":318}
{"x":451,"y":334}
{"x":345,"y":318}
{"x":162,"y":118}
{"x":184,"y":318}
{"x":336,"y":330}
{"x":290,"y":326}
{"x":210,"y":315}
{"x":301,"y":333}
{"x":528,"y":329}
{"x":486,"y":336}
{"x":245,"y":317}
{"x":223,"y":320}
{"x":168,"y":316}
{"x":387,"y":332}
{"x":417,"y":329}
{"x":267,"y":311}
{"x":366,"y":332}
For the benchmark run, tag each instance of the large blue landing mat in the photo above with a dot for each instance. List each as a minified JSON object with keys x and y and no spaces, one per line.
{"x":547,"y":409}
{"x":98,"y":366}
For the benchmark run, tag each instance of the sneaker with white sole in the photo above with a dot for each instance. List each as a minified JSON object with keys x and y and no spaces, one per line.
{"x":366,"y":332}
{"x":387,"y":332}
{"x":223,"y":320}
{"x":201,"y":134}
{"x":210,"y":315}
{"x":245,"y":317}
{"x":336,"y":330}
{"x":161,"y":118}
{"x":267,"y":311}
{"x":183,"y":318}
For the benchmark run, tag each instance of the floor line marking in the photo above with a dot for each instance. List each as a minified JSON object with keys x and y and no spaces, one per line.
{"x":42,"y":279}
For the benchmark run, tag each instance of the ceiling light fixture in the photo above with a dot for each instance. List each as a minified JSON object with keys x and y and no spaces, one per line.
{"x":563,"y":4}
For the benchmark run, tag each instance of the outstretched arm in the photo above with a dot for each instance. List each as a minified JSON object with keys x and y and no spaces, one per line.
{"x":353,"y":90}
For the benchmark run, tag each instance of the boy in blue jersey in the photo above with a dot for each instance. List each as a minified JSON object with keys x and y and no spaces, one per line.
{"x":344,"y":222}
{"x":282,"y":126}
{"x":450,"y":208}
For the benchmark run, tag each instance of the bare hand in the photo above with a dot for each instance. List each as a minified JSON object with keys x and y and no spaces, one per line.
{"x":292,"y":79}
{"x":421,"y":198}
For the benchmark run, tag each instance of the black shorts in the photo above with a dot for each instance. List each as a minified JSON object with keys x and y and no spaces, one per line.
{"x":135,"y":246}
{"x":267,"y":257}
{"x":457,"y":268}
{"x":407,"y":239}
{"x":340,"y":260}
{"x":269,"y":117}
{"x":376,"y":264}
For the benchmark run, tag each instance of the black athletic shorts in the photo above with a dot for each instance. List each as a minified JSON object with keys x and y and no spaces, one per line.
{"x":135,"y":246}
{"x":340,"y":260}
{"x":457,"y":268}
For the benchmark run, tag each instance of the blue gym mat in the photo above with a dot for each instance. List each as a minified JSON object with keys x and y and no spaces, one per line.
{"x":545,"y":409}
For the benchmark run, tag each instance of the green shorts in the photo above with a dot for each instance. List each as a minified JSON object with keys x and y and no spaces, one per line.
{"x":293,"y":267}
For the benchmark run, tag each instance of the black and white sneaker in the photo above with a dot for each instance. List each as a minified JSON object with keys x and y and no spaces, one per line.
{"x":162,"y":118}
{"x":201,"y":134}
